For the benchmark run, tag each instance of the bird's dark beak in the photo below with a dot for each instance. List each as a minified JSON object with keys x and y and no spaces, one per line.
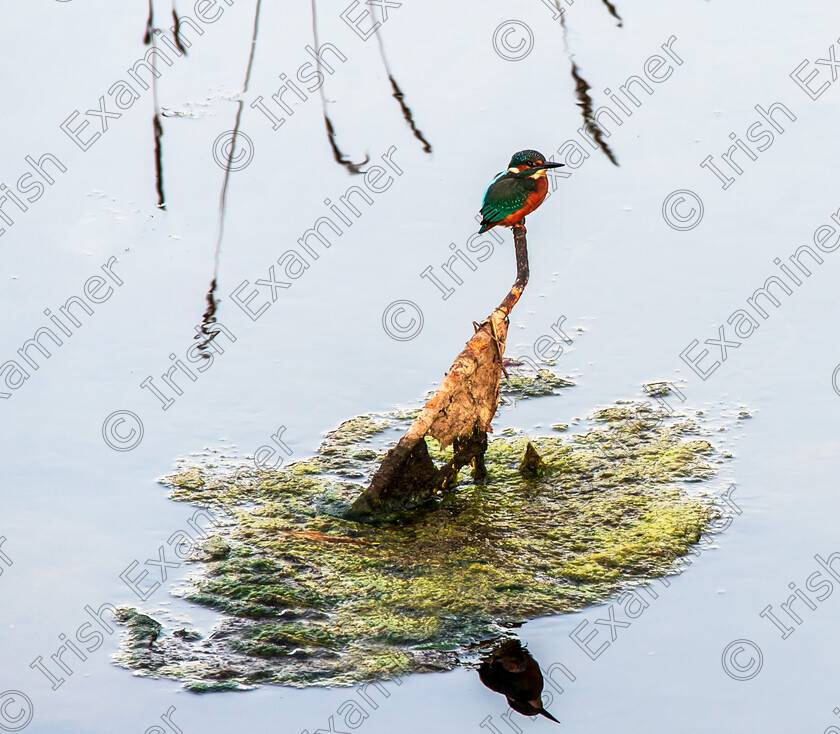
{"x":548,"y":715}
{"x":549,"y":164}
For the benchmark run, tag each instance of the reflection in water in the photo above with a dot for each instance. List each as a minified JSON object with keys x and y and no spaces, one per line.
{"x":409,"y":118}
{"x":158,"y":128}
{"x":337,"y":154}
{"x":176,"y":31}
{"x":400,"y":97}
{"x":585,"y":104}
{"x":510,"y":670}
{"x":209,"y":316}
{"x":613,"y":12}
{"x":149,"y":38}
{"x":582,"y":90}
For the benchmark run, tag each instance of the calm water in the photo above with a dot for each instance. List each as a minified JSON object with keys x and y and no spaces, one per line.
{"x":76,"y":513}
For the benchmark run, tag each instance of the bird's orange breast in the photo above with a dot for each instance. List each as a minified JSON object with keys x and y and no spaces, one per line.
{"x":532,"y":202}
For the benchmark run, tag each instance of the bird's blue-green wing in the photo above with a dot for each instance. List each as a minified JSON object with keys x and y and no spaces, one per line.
{"x":504,"y":196}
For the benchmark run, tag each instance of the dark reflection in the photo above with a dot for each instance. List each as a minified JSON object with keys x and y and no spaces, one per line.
{"x":584,"y":100}
{"x":207,"y":335}
{"x":209,"y":317}
{"x":147,"y":38}
{"x":176,"y":31}
{"x":585,"y":104}
{"x":409,"y":118}
{"x":400,"y":97}
{"x":510,"y":670}
{"x":158,"y":157}
{"x":340,"y":158}
{"x":157,"y":128}
{"x":613,"y":12}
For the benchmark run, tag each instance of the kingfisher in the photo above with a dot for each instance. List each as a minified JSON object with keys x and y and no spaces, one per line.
{"x":511,"y":670}
{"x":516,"y":192}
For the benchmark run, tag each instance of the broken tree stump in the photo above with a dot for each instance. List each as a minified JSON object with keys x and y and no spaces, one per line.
{"x":459,"y":413}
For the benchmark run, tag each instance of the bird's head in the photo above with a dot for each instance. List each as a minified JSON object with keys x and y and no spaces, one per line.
{"x":530,"y":163}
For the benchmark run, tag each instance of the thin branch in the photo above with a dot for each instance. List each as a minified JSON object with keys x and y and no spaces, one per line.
{"x":459,"y":413}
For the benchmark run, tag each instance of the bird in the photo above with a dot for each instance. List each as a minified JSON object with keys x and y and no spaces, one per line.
{"x":516,"y":192}
{"x":511,"y":670}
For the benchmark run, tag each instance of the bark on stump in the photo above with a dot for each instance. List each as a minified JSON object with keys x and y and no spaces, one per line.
{"x":459,"y":413}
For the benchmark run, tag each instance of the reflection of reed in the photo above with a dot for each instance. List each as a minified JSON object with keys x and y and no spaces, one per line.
{"x":232,"y":148}
{"x":176,"y":30}
{"x":400,"y":97}
{"x":585,"y":104}
{"x":209,"y":316}
{"x":397,"y":93}
{"x":147,"y":39}
{"x":409,"y":118}
{"x":613,"y":12}
{"x":340,"y":158}
{"x":582,"y":91}
{"x":157,"y":127}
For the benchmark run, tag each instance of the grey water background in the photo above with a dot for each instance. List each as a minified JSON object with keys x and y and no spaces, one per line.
{"x":76,"y":513}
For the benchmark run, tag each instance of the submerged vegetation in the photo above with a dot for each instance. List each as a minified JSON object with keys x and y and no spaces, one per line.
{"x":309,"y":597}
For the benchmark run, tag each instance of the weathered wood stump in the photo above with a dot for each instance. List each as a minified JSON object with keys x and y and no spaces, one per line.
{"x":458,"y":414}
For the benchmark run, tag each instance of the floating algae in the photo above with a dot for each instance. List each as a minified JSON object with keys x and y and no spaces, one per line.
{"x":311,"y":598}
{"x":543,"y":383}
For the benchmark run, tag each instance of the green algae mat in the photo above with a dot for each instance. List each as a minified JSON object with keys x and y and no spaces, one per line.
{"x":308,"y":597}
